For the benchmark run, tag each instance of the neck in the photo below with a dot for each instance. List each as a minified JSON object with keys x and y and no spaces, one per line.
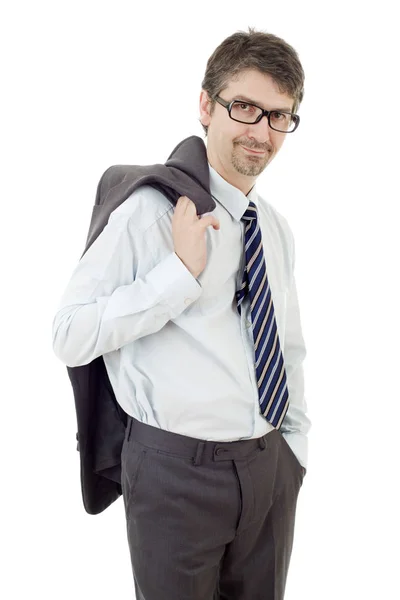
{"x":243,"y":183}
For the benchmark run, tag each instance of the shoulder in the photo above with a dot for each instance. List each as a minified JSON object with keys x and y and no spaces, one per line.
{"x":278,"y":220}
{"x":145,"y":207}
{"x":279,"y":231}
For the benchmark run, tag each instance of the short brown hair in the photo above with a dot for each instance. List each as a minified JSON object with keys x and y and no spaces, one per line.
{"x":258,"y":50}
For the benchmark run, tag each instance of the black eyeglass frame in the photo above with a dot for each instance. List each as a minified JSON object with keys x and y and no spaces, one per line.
{"x":264,"y":113}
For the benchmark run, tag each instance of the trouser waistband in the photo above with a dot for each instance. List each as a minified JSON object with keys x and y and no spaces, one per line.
{"x":198,"y":450}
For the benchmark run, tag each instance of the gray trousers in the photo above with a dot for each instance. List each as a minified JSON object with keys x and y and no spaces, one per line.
{"x":208,"y":520}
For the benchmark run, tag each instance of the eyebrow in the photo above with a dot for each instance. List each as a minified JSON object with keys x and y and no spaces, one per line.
{"x":246,"y":99}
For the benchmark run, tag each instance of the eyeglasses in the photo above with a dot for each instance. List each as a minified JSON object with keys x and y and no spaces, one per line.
{"x":244,"y":112}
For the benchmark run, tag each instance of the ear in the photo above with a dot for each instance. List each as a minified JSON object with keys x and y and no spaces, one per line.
{"x":205,"y":104}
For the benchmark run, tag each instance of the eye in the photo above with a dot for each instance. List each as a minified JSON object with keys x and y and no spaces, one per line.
{"x":244,"y":107}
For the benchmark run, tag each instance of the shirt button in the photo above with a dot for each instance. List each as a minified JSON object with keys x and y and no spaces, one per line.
{"x":188,"y":301}
{"x":219,"y":451}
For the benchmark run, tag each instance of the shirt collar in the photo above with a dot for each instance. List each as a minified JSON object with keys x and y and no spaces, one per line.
{"x":230,"y":196}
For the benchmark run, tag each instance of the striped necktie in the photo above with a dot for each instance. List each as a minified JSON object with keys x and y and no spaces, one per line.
{"x":269,"y":365}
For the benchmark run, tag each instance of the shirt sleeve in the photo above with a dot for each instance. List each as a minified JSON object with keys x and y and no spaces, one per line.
{"x":102,"y":309}
{"x":296,"y":424}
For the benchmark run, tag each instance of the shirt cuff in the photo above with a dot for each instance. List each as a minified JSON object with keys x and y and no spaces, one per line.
{"x":175,"y":284}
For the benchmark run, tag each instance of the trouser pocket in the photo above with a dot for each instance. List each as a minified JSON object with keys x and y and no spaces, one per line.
{"x":132,"y":459}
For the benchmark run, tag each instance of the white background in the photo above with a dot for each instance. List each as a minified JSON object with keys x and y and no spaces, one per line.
{"x":73,"y":74}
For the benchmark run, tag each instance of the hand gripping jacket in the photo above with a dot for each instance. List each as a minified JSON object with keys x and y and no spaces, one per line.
{"x":101,"y":421}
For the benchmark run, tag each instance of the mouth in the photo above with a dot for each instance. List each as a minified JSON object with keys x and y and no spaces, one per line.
{"x":260,"y":153}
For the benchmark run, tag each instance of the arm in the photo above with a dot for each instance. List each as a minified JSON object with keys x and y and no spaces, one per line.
{"x":296,"y":424}
{"x":103,"y":308}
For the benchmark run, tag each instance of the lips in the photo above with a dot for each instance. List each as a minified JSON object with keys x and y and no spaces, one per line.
{"x":253,"y":151}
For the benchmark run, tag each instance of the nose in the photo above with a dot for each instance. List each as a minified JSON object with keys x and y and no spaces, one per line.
{"x":260,"y":131}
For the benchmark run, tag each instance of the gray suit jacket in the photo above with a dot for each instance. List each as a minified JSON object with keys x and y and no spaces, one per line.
{"x":101,"y":421}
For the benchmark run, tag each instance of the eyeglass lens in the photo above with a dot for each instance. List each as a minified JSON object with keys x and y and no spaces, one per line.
{"x":248,"y":113}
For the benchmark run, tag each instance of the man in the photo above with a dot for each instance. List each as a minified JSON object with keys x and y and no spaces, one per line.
{"x":198,"y":323}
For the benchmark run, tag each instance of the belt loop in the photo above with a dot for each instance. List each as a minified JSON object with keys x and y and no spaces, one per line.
{"x":261,"y":442}
{"x":199,"y":453}
{"x":128,"y":428}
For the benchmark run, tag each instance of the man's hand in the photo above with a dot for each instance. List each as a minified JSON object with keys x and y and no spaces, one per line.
{"x":189,"y":235}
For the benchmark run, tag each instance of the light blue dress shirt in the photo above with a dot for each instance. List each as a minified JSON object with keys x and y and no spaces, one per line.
{"x":178,"y":354}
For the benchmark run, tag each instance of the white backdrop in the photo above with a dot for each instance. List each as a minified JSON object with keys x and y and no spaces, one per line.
{"x":72,"y":74}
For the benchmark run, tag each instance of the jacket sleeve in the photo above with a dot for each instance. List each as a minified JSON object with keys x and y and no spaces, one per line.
{"x":296,"y":424}
{"x":102,"y":309}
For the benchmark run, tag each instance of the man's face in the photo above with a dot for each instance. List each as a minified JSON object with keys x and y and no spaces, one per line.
{"x":228,"y":139}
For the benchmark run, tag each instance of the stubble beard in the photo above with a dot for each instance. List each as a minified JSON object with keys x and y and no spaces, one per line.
{"x":248,"y":165}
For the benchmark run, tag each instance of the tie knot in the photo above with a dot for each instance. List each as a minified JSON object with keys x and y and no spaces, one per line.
{"x":251,"y":212}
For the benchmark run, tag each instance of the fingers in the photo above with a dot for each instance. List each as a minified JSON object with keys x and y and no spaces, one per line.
{"x":210,"y":220}
{"x":182,"y":204}
{"x":186,"y":205}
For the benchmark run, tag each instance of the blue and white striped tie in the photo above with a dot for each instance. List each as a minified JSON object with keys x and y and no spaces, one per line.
{"x":269,"y":365}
